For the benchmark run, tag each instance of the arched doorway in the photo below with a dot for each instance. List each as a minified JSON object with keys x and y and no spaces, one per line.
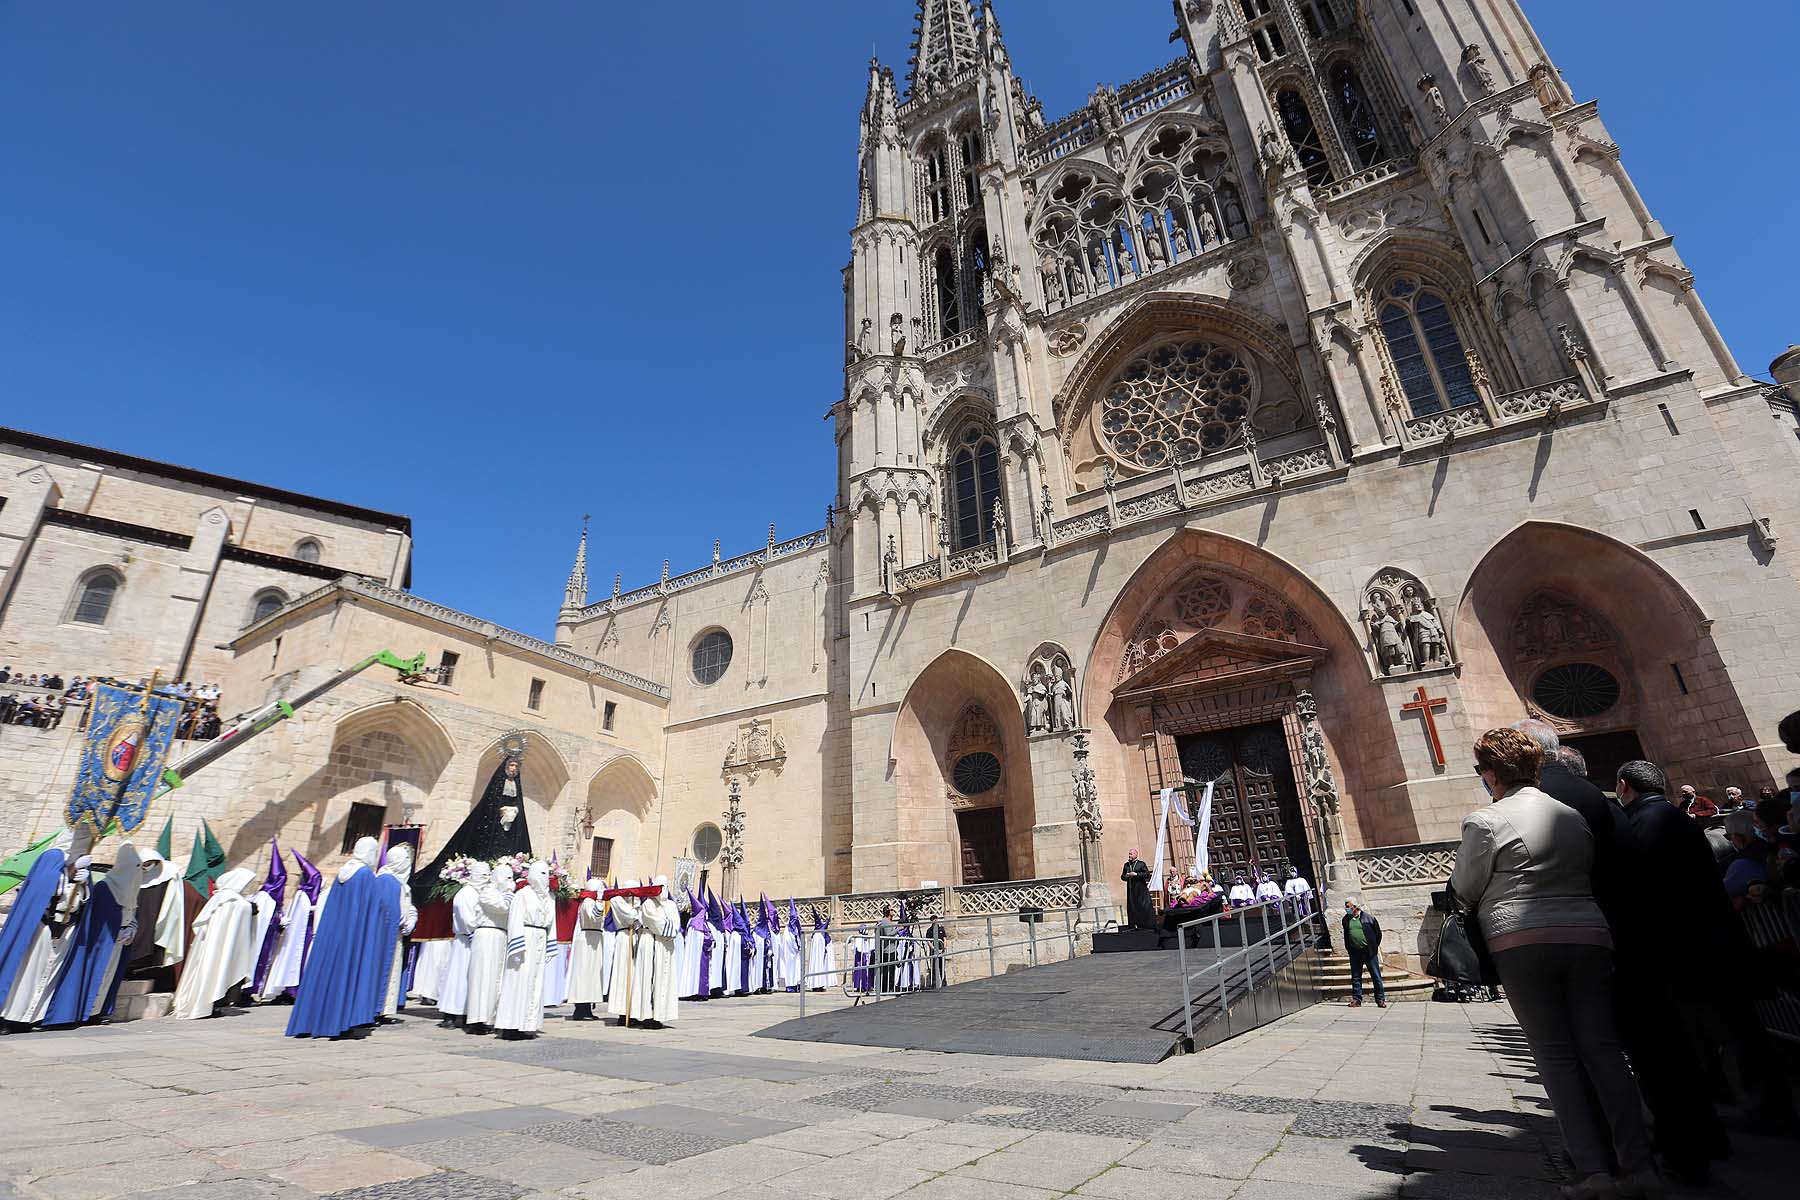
{"x":1209,"y":668}
{"x":619,"y":798}
{"x":544,"y":774}
{"x":384,"y":763}
{"x":1595,"y":637}
{"x":964,"y":810}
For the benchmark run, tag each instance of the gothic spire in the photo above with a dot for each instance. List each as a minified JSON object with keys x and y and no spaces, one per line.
{"x":575,"y":591}
{"x":944,"y":44}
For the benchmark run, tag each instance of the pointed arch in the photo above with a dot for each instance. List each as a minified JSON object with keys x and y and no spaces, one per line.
{"x":620,"y":797}
{"x":925,"y":753}
{"x":545,"y":773}
{"x":1549,"y":594}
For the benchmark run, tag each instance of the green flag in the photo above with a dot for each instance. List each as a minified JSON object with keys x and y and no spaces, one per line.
{"x":206,"y":863}
{"x":165,"y":844}
{"x":13,"y":870}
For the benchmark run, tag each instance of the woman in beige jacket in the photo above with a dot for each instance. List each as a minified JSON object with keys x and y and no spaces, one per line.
{"x":1522,"y":869}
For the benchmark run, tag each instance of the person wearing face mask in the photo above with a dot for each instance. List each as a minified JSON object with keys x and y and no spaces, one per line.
{"x":1749,"y":861}
{"x":1523,"y":869}
{"x":340,"y":989}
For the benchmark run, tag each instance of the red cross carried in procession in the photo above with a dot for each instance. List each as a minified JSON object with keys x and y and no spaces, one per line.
{"x":1424,"y":706}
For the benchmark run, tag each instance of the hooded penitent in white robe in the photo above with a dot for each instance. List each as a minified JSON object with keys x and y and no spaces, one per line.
{"x":428,"y":968}
{"x":689,"y":947}
{"x":732,"y":968}
{"x":587,"y":956}
{"x":224,"y":951}
{"x":290,"y":947}
{"x":487,"y":947}
{"x":821,"y":961}
{"x":399,"y":865}
{"x":529,"y":926}
{"x":1240,"y":893}
{"x":1299,"y":891}
{"x":660,"y":922}
{"x":168,"y":932}
{"x":758,"y":952}
{"x":37,"y":976}
{"x":788,"y":958}
{"x":624,"y":911}
{"x":465,"y":916}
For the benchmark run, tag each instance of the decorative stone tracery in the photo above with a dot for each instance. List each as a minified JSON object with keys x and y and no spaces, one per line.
{"x":1212,"y":598}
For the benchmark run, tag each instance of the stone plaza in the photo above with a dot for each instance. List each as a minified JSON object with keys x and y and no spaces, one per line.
{"x":1426,"y":1100}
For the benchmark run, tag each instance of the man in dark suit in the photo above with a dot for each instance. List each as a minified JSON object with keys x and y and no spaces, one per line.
{"x":1560,"y":783}
{"x":1677,"y":948}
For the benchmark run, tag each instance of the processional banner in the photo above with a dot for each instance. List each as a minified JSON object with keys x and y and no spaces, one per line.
{"x":128,"y":739}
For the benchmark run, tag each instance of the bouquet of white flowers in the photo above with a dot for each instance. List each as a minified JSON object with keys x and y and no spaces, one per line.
{"x":452,"y":877}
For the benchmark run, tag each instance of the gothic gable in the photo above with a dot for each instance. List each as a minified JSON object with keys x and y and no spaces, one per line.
{"x":1213,"y":656}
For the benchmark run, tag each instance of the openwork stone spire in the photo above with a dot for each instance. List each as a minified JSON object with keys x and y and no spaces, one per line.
{"x":944,"y":44}
{"x":575,"y":591}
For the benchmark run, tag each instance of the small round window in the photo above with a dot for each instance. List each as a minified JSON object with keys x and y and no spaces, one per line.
{"x":1575,"y":691}
{"x":976,"y":773}
{"x":712,"y":654}
{"x":707,"y":841}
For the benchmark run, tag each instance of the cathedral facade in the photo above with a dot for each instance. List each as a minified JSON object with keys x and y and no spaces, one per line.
{"x":1280,"y":420}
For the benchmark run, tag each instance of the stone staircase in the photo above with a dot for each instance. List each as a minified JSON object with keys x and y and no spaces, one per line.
{"x":136,"y":1001}
{"x":1400,"y":985}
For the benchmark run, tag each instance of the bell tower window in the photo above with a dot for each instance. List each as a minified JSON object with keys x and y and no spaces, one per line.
{"x":1425,"y":348}
{"x":1357,"y":115}
{"x":944,"y":276}
{"x":1303,"y":136}
{"x":974,"y":487}
{"x":971,"y":160}
{"x":937,"y":183}
{"x":1265,"y":29}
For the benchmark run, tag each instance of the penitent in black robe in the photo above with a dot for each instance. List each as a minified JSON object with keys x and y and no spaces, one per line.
{"x":480,"y":836}
{"x":1138,"y":910}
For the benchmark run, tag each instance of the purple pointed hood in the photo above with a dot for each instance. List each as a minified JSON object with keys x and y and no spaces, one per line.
{"x":276,"y":884}
{"x":793,"y":917}
{"x":721,"y":919}
{"x":310,"y":879}
{"x":697,"y":911}
{"x":768,"y":914}
{"x":743,"y":916}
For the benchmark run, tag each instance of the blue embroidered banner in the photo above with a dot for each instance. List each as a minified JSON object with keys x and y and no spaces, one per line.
{"x":122,"y":759}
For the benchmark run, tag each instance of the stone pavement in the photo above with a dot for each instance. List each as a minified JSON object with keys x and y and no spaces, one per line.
{"x":1428,"y":1100}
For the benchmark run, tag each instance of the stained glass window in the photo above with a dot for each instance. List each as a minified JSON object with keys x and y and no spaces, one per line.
{"x":1429,"y":360}
{"x":975,"y":478}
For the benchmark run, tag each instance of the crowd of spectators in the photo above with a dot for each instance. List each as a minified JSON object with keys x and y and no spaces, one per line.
{"x":1609,"y":919}
{"x":41,"y":700}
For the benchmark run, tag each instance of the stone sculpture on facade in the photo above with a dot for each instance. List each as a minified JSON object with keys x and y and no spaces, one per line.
{"x":1405,"y":631}
{"x":1062,"y":699}
{"x":1049,"y":692}
{"x":1209,"y":229}
{"x":1434,"y":98}
{"x":731,"y":851}
{"x":1154,"y":253}
{"x":1386,"y":638}
{"x":1478,"y":69}
{"x":1037,"y":700}
{"x":1180,"y":238}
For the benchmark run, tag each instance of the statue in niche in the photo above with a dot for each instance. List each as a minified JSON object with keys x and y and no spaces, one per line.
{"x":862,"y":335}
{"x":1154,"y":254}
{"x":1234,"y":213}
{"x":1424,"y":630}
{"x":1097,"y":261}
{"x":1053,"y":286}
{"x":1062,"y":700}
{"x":1392,"y":654}
{"x":897,"y":333}
{"x":1209,"y":228}
{"x":1077,"y":285}
{"x":1037,"y":700}
{"x":1180,"y":238}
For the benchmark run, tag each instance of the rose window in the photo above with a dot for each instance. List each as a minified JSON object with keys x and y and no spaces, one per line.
{"x":1180,"y":398}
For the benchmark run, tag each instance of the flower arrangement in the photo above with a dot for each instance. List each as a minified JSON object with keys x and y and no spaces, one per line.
{"x":452,"y":878}
{"x":562,"y":883}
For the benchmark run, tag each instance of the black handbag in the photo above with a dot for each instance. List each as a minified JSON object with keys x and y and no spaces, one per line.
{"x":1461,"y":955}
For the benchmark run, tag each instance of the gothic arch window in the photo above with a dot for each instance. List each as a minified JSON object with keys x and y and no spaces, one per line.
{"x":1303,"y":136}
{"x":1356,"y":116}
{"x":266,"y":603}
{"x":974,"y":486}
{"x":94,"y":595}
{"x":975,"y":272}
{"x":1180,"y":396}
{"x":307,"y":550}
{"x":1265,"y":29}
{"x":1422,"y":342}
{"x":970,"y":146}
{"x":943,"y":274}
{"x":937,"y":181}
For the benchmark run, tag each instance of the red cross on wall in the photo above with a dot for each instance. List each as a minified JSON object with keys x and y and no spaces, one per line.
{"x":1425,"y":705}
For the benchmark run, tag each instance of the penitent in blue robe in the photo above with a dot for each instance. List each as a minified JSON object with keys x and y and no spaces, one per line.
{"x":36,"y":895}
{"x":347,"y":969}
{"x":387,"y":916}
{"x":87,"y":975}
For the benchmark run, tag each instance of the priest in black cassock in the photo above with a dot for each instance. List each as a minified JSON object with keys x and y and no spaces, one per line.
{"x":495,"y":828}
{"x":1140,"y":913}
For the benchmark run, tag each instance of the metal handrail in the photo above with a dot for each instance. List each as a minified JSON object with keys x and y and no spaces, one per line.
{"x":1220,"y":963}
{"x":941,"y":953}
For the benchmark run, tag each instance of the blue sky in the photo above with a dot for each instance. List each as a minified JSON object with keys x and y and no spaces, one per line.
{"x":497,"y":266}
